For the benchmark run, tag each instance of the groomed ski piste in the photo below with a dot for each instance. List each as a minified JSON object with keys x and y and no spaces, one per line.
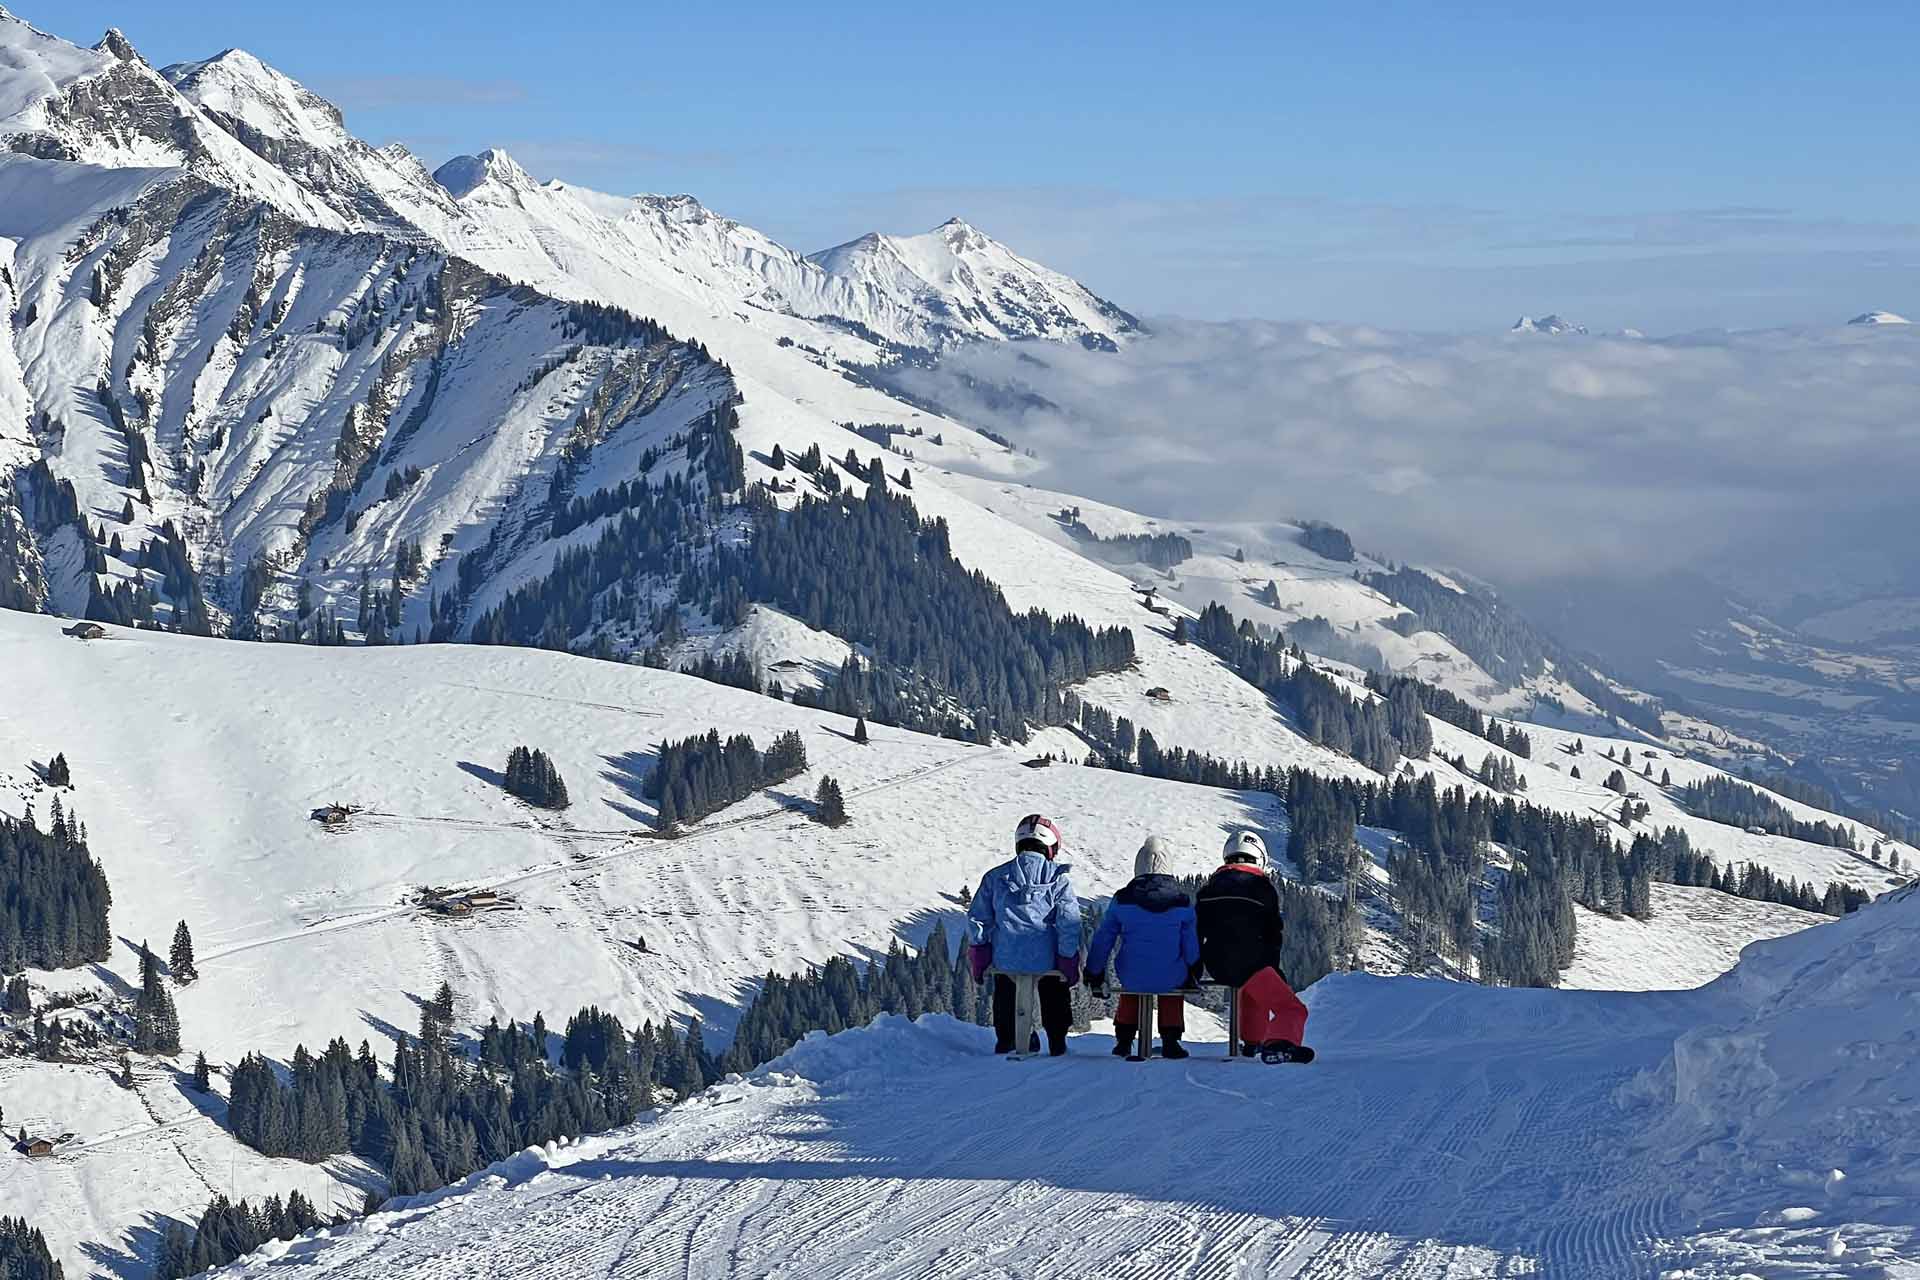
{"x":1760,"y":1126}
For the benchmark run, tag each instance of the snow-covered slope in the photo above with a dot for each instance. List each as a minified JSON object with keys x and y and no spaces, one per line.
{"x":1879,"y":317}
{"x":196,"y":763}
{"x":297,"y":404}
{"x":1759,"y":1126}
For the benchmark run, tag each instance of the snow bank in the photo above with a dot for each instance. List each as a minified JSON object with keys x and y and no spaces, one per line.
{"x":1814,"y":1073}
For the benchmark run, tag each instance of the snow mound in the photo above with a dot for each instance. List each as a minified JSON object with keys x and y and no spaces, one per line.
{"x":1818,"y":1067}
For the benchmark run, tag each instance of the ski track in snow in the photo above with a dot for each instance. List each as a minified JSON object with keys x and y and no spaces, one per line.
{"x":1389,"y":1158}
{"x":1445,"y":1131}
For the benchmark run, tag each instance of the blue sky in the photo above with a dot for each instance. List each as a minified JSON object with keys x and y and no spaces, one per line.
{"x":1436,"y":167}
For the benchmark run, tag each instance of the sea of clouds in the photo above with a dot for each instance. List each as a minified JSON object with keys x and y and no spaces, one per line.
{"x":1782,"y":456}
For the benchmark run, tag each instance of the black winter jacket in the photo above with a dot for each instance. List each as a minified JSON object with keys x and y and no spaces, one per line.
{"x":1239,"y":922}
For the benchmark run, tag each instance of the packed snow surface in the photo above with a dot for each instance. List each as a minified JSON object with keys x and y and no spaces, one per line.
{"x":1445,"y":1130}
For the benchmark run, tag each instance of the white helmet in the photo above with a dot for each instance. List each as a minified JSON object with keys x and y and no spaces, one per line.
{"x":1040,"y":831}
{"x":1246,"y":846}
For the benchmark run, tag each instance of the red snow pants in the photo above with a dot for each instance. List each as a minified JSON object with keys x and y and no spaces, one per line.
{"x":1171,"y":1012}
{"x":1270,"y":1011}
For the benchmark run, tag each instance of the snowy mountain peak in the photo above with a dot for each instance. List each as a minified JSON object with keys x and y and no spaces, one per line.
{"x":969,"y":285}
{"x":1551,"y":324}
{"x":238,"y":86}
{"x":462,"y":175}
{"x":116,"y":43}
{"x":1879,"y":317}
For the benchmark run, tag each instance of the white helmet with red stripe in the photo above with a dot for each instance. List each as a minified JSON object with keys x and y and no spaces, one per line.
{"x":1039,"y":833}
{"x":1246,"y":847}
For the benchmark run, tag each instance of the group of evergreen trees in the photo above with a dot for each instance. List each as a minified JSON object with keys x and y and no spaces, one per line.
{"x":531,"y":775}
{"x":156,"y":1023}
{"x":872,"y":572}
{"x":24,"y":1254}
{"x":663,"y":528}
{"x":1326,"y":541}
{"x":1456,"y":711}
{"x":1377,"y":733}
{"x":1721,"y":799}
{"x":59,"y":772}
{"x":1559,"y":860}
{"x":839,"y":994}
{"x":734,"y":669}
{"x":698,"y":776}
{"x":53,"y":895}
{"x":1161,"y":551}
{"x":227,"y":1231}
{"x":438,"y":1115}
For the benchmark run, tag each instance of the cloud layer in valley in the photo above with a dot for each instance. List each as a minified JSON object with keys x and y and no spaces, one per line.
{"x":1522,"y":456}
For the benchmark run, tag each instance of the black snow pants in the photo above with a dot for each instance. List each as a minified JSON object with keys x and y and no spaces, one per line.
{"x":1056,"y":1013}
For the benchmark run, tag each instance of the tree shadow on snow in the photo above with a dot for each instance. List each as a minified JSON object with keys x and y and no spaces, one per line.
{"x":209,"y":1104}
{"x":138,"y":1250}
{"x":629,"y":771}
{"x":916,"y":928}
{"x":492,"y":777}
{"x":793,"y":802}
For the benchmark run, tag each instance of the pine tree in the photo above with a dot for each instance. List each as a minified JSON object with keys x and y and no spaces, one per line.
{"x":860,"y":731}
{"x":830,"y":807}
{"x":180,"y":957}
{"x":202,"y":1074}
{"x":58,"y":773}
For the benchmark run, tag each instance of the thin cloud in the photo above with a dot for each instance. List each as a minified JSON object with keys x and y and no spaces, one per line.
{"x":375,"y":93}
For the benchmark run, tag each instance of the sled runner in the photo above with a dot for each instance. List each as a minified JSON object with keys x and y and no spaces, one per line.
{"x":1026,"y":1013}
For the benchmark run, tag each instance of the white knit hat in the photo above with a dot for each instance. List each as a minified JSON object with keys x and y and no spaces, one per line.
{"x":1154,"y":858}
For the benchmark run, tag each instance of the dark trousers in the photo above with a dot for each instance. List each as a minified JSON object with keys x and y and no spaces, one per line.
{"x":1056,"y":1012}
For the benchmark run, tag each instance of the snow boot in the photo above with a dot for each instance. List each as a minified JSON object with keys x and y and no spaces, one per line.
{"x":1277,"y":1051}
{"x":1170,"y":1046}
{"x":1056,"y":1047}
{"x":1122,"y":1041}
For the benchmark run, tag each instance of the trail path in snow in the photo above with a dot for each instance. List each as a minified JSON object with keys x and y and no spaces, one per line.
{"x":1398,"y":1154}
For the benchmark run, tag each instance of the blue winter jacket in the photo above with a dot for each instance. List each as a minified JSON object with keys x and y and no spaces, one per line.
{"x":1153,"y":922}
{"x":1027,"y":912}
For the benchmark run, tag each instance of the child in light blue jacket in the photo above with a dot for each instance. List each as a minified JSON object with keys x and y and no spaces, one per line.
{"x":1025,"y":918}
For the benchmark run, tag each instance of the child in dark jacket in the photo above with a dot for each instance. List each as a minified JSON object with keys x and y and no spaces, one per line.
{"x":1152,"y":920}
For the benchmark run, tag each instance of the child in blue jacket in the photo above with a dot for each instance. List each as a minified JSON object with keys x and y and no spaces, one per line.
{"x":1152,"y":920}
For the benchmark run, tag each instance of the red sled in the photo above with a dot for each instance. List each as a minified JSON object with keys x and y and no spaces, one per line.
{"x":1270,"y":1011}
